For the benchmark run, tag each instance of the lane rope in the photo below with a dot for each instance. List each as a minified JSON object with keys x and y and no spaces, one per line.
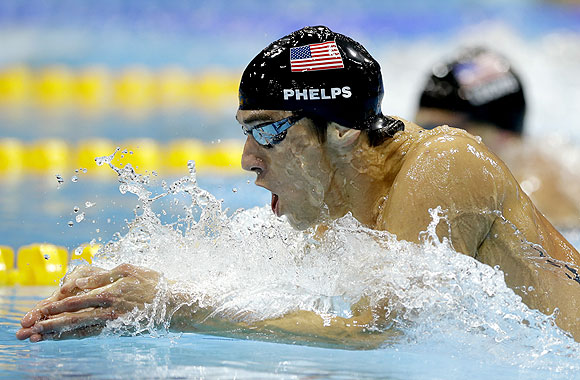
{"x":97,"y":89}
{"x":40,"y":264}
{"x":57,"y":156}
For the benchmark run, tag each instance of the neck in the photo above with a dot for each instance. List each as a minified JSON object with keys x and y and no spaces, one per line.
{"x":364,"y":175}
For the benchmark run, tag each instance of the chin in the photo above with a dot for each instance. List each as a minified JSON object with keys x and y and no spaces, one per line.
{"x":302,"y":223}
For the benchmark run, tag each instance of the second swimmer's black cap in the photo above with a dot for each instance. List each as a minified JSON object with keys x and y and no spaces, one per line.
{"x":481,"y":84}
{"x":318,"y":72}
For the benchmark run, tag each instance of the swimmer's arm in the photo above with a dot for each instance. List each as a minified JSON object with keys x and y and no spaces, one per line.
{"x":364,"y":330}
{"x":90,"y":297}
{"x":459,"y":176}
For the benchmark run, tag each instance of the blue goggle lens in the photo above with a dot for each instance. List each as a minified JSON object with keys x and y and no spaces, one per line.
{"x":270,"y":134}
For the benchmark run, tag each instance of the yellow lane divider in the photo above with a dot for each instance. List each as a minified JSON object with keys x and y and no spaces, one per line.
{"x":133,"y":88}
{"x":40,"y":264}
{"x":55,"y":156}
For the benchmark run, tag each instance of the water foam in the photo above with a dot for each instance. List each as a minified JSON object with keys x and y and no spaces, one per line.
{"x":253,"y":266}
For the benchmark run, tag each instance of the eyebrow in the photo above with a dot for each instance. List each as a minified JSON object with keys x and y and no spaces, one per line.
{"x":256,"y":117}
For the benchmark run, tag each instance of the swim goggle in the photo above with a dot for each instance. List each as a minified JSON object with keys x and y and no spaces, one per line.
{"x":270,"y":134}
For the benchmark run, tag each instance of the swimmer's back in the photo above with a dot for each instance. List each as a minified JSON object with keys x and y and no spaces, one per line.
{"x":450,"y":168}
{"x":487,"y":216}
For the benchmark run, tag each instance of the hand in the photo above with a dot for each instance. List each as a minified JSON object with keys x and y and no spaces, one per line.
{"x":67,"y":289}
{"x":88,"y":298}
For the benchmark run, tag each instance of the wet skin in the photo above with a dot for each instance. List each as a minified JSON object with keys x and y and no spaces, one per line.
{"x":554,"y":190}
{"x":388,"y":187}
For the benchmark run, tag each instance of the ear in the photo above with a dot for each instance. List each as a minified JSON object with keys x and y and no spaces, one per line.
{"x":341,"y":137}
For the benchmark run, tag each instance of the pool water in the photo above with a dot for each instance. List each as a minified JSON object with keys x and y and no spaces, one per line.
{"x":201,"y":356}
{"x":449,"y":337}
{"x":36,"y":209}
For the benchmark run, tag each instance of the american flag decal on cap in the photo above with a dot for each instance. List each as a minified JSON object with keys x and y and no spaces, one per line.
{"x":322,"y":56}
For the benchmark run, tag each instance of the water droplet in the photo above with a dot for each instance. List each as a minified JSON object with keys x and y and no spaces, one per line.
{"x":60,"y":180}
{"x":235,"y":190}
{"x":77,"y":171}
{"x":89,"y":204}
{"x":76,"y":209}
{"x":106,"y":159}
{"x":74,"y":178}
{"x":70,"y":223}
{"x":79,"y":218}
{"x":78,"y":251}
{"x":46,"y":257}
{"x":98,"y":230}
{"x":191,"y":167}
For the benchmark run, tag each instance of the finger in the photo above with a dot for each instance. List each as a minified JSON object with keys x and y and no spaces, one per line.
{"x":76,"y":303}
{"x":31,"y":318}
{"x":65,"y":291}
{"x":100,"y":280}
{"x":69,"y":284}
{"x":79,"y":333}
{"x":68,"y":287}
{"x":24,"y":333}
{"x":74,"y":321}
{"x":35,"y":314}
{"x":27,"y":333}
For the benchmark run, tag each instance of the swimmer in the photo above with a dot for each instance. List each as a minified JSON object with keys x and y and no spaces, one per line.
{"x":310,"y":106}
{"x":479,"y":91}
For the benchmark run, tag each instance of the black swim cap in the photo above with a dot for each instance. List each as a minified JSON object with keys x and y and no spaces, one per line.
{"x":321,"y":73}
{"x":481,"y":84}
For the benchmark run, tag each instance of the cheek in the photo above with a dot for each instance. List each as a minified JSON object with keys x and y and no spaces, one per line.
{"x":311,"y":176}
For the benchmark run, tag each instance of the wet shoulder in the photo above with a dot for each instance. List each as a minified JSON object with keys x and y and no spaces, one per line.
{"x":444,"y":144}
{"x":445,"y":136}
{"x":450,"y":162}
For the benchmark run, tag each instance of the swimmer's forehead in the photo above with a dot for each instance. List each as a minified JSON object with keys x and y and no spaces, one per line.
{"x":253,"y":117}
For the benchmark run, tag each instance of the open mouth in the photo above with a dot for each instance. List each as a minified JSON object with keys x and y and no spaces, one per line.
{"x":275,"y":205}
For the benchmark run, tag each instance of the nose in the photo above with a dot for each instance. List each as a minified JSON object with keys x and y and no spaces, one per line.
{"x":251,"y":161}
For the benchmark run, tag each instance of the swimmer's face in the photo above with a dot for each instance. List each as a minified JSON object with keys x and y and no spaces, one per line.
{"x":295,"y":170}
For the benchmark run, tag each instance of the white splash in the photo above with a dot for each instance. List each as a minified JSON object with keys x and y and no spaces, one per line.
{"x":253,"y":266}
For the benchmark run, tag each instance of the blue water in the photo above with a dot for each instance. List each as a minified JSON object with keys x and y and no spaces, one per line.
{"x":178,"y":356}
{"x":416,"y":355}
{"x":37,"y":210}
{"x":155,"y":32}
